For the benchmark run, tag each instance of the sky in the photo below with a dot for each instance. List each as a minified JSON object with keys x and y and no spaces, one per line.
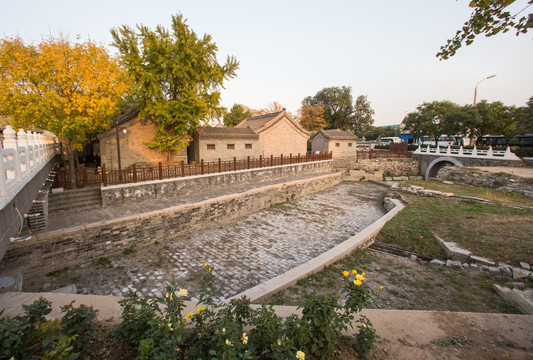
{"x":288,"y":50}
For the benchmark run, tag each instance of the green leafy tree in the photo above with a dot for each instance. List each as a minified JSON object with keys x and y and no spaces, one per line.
{"x":237,"y":114}
{"x":432,"y":119}
{"x":338,"y":106}
{"x":489,"y":18}
{"x":178,"y":78}
{"x":523,"y":118}
{"x":363,"y":114}
{"x":491,"y":118}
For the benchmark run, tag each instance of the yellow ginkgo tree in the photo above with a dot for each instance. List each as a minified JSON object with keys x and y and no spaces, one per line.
{"x":69,"y":88}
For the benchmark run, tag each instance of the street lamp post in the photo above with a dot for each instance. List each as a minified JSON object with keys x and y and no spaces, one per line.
{"x":125,"y":131}
{"x":475,"y":90}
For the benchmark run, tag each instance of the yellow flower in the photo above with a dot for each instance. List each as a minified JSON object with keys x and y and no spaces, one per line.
{"x":228,"y":343}
{"x":183,"y":292}
{"x":170,"y":327}
{"x":200,"y":309}
{"x":209,"y":269}
{"x":357,"y":282}
{"x":205,"y":264}
{"x":223,"y":330}
{"x":364,"y":274}
{"x":244,"y":339}
{"x":359,"y":277}
{"x":345,"y":273}
{"x":300,"y":355}
{"x":166,"y":296}
{"x":381,"y":288}
{"x":354,"y":272}
{"x":189,"y":315}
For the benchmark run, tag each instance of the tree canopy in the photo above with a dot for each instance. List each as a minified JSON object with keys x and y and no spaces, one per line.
{"x":489,"y":18}
{"x":70,"y":89}
{"x":312,"y":117}
{"x":178,"y":78}
{"x":363,"y":115}
{"x":443,"y":117}
{"x":337,"y":105}
{"x":236,"y":115}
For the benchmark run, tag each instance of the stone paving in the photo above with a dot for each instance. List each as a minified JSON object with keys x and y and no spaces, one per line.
{"x":243,"y":252}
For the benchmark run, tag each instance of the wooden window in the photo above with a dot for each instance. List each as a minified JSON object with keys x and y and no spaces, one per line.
{"x":247,"y":146}
{"x":349,"y":144}
{"x":210,"y":146}
{"x":231,"y":146}
{"x":337,"y":144}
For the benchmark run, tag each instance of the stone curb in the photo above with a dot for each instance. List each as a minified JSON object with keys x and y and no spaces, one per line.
{"x":315,"y":265}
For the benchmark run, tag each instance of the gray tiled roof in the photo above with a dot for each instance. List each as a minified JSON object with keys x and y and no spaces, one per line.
{"x":209,"y":132}
{"x":257,"y":122}
{"x":337,"y":134}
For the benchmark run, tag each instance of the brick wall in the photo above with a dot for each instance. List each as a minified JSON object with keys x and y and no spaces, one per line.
{"x":222,"y":151}
{"x":119,"y":194}
{"x":83,"y":245}
{"x":283,"y":138}
{"x":132,"y":147}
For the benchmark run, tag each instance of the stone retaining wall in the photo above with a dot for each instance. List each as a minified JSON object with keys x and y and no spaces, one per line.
{"x":81,"y":245}
{"x":390,"y":167}
{"x":483,"y":178}
{"x":114,"y":195}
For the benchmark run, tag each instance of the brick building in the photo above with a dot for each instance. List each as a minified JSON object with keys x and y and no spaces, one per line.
{"x":278,"y":134}
{"x":212,"y":143}
{"x":341,"y":143}
{"x":132,"y":134}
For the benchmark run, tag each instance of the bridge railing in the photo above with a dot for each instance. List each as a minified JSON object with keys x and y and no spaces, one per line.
{"x":461,"y":152}
{"x":22,"y":155}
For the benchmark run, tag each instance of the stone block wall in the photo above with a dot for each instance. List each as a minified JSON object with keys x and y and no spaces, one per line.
{"x":483,"y":178}
{"x":81,"y":245}
{"x":390,"y":167}
{"x":119,"y":194}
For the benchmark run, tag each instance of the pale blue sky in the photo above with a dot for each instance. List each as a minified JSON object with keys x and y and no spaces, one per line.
{"x":291,"y":49}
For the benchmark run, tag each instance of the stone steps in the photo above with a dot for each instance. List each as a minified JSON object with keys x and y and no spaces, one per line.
{"x":78,"y":200}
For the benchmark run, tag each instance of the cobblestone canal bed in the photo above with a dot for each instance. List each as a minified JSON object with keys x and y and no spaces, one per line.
{"x":243,"y":253}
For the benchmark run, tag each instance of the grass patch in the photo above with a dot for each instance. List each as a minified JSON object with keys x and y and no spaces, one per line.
{"x":57,"y":272}
{"x":130,"y":250}
{"x":483,"y":192}
{"x":493,"y":231}
{"x":453,"y":341}
{"x":104,"y":262}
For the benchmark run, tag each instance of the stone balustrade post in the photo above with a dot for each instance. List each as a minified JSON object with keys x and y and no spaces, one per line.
{"x":10,"y":142}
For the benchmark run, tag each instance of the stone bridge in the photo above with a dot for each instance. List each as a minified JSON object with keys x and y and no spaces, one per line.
{"x":25,"y":165}
{"x":433,"y":159}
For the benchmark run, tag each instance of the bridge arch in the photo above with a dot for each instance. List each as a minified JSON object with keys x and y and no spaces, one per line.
{"x":437,"y":164}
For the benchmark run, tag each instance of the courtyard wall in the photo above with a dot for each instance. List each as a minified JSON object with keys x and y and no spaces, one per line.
{"x":114,"y":195}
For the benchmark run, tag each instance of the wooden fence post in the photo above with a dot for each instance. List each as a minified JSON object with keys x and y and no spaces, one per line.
{"x":202,"y":166}
{"x":298,"y":158}
{"x":234,"y":164}
{"x":219,"y":165}
{"x":271,"y":160}
{"x":260,"y":160}
{"x":104,"y":175}
{"x":134,"y":168}
{"x":160,"y":171}
{"x":281,"y":159}
{"x":182,"y":168}
{"x":290,"y":158}
{"x":248,"y":162}
{"x":84,"y":173}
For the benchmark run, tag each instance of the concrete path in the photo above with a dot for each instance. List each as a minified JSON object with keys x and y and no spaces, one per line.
{"x":403,"y":334}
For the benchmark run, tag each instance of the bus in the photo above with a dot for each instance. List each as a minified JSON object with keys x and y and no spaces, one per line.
{"x":444,"y":140}
{"x":502,"y":141}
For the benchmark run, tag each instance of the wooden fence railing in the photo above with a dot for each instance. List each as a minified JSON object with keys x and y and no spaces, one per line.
{"x":90,"y":176}
{"x":382,"y":154}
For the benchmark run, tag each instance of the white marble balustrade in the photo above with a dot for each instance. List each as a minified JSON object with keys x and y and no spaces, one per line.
{"x":460,"y":152}
{"x":22,"y":156}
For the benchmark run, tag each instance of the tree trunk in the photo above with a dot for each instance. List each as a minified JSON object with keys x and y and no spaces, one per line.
{"x":71,"y":169}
